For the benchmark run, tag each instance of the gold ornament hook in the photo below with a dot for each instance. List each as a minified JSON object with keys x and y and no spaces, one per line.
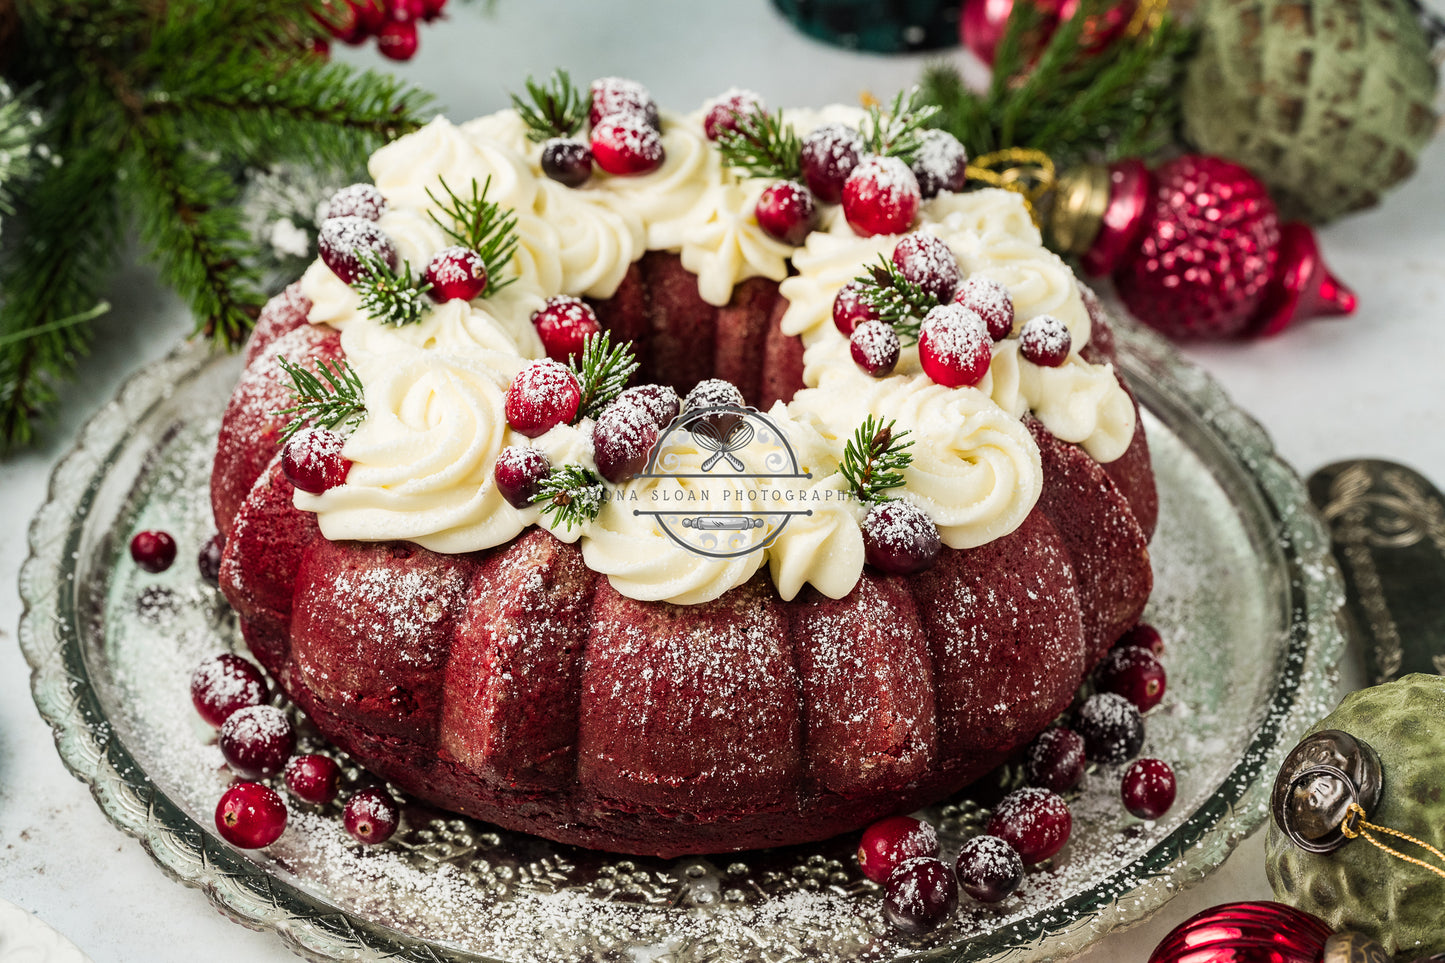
{"x":1023,"y":170}
{"x":1354,"y":826}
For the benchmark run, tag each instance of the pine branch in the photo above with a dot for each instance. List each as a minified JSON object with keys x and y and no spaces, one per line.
{"x":874,"y":460}
{"x":898,"y":301}
{"x":482,"y":226}
{"x":764,"y":145}
{"x":602,"y":371}
{"x":572,"y":495}
{"x":557,"y":109}
{"x":390,"y":296}
{"x":895,"y":133}
{"x":335,"y":398}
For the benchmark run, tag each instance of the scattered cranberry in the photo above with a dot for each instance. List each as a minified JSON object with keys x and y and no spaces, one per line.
{"x":397,"y":40}
{"x":617,"y":95}
{"x":829,"y":155}
{"x":564,"y":324}
{"x":342,"y":241}
{"x":941,"y":163}
{"x":891,"y":841}
{"x":660,"y":401}
{"x":1035,"y":822}
{"x":899,"y":538}
{"x":989,"y":300}
{"x":928,"y":261}
{"x":520,"y":471}
{"x":208,"y":559}
{"x":1112,"y":727}
{"x":622,"y":440}
{"x":850,"y":309}
{"x":567,"y":160}
{"x":626,"y":144}
{"x":371,"y":816}
{"x":1045,"y":341}
{"x":357,"y":200}
{"x":250,"y":815}
{"x":1145,"y":636}
{"x":544,"y":394}
{"x":1133,"y":672}
{"x":456,"y":274}
{"x":156,"y":604}
{"x":1056,"y":760}
{"x":312,"y":460}
{"x":713,"y":393}
{"x":875,"y":347}
{"x":920,"y":895}
{"x":153,"y":551}
{"x":725,"y":112}
{"x":786,"y":212}
{"x":880,"y":197}
{"x":953,"y":346}
{"x":313,"y":779}
{"x":1148,"y":788}
{"x":989,"y":869}
{"x":224,"y":685}
{"x":257,"y":741}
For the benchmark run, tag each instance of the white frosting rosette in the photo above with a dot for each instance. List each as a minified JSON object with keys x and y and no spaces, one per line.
{"x":596,"y":241}
{"x":1077,"y":401}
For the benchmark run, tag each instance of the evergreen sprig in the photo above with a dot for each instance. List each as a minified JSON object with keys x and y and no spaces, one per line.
{"x":898,"y":301}
{"x":764,"y":145}
{"x":572,"y":495}
{"x":602,"y":370}
{"x":874,"y":460}
{"x":331,"y":397}
{"x":896,"y":131}
{"x":557,"y":108}
{"x":390,"y":295}
{"x":481,"y":225}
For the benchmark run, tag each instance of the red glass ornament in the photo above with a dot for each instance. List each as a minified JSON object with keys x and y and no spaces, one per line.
{"x":983,"y":23}
{"x":1252,"y":932}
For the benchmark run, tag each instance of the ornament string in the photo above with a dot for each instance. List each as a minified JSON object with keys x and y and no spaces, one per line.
{"x":1022,"y":170}
{"x":1354,"y":826}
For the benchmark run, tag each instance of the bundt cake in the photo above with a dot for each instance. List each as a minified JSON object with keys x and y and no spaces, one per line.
{"x":559,"y":662}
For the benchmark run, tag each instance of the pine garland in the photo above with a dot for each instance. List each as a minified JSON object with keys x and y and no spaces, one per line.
{"x":481,"y":225}
{"x":333,"y":399}
{"x":764,"y":145}
{"x":557,"y":109}
{"x":874,"y":460}
{"x":898,"y":301}
{"x":602,"y":371}
{"x":572,"y":495}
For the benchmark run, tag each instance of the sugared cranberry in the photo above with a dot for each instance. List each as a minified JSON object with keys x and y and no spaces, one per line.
{"x":1056,"y":760}
{"x":208,"y":559}
{"x":618,"y":95}
{"x":660,"y":401}
{"x":456,"y":274}
{"x":564,"y":324}
{"x":250,"y":815}
{"x":928,"y":261}
{"x":313,"y":779}
{"x":989,"y":869}
{"x":1143,"y":635}
{"x":880,"y":197}
{"x":920,"y":895}
{"x":829,"y":155}
{"x":953,"y":346}
{"x":1148,"y":788}
{"x":257,"y":741}
{"x":786,"y":211}
{"x":622,"y":440}
{"x":342,"y":241}
{"x":1112,"y":727}
{"x":397,"y":39}
{"x":544,"y":394}
{"x":891,"y":841}
{"x":941,"y":163}
{"x":723,"y":114}
{"x":224,"y":685}
{"x":357,"y":200}
{"x":626,"y":144}
{"x":899,"y":538}
{"x":1045,"y":341}
{"x":713,"y":393}
{"x":567,"y":160}
{"x":371,"y":816}
{"x":1035,"y":822}
{"x":991,"y":301}
{"x":153,"y":551}
{"x":875,"y":347}
{"x":312,"y":460}
{"x":1133,"y":672}
{"x":850,"y":309}
{"x":520,"y":471}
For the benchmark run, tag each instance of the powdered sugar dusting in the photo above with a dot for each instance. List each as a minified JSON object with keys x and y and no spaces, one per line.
{"x":941,"y":163}
{"x":955,"y":334}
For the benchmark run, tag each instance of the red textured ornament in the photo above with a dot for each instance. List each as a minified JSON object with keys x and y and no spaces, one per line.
{"x":1253,"y":932}
{"x":983,"y":23}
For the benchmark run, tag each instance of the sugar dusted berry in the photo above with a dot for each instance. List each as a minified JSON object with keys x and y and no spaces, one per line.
{"x":622,"y":440}
{"x":920,"y":895}
{"x":991,"y":301}
{"x":1112,"y":727}
{"x":312,"y":460}
{"x":880,"y":197}
{"x":1045,"y":341}
{"x":398,"y":39}
{"x":1145,"y":636}
{"x":250,"y":815}
{"x":153,"y":551}
{"x":626,"y":144}
{"x":989,"y":869}
{"x":456,"y":274}
{"x":899,"y":538}
{"x":1148,"y":788}
{"x":723,"y":113}
{"x":850,"y":309}
{"x":1035,"y":822}
{"x":618,"y":95}
{"x":225,"y":684}
{"x":544,"y":394}
{"x":891,"y":841}
{"x":660,"y":401}
{"x":713,"y":393}
{"x":953,"y":346}
{"x":208,"y":559}
{"x":520,"y":471}
{"x":343,"y":240}
{"x":1133,"y":672}
{"x":357,"y":200}
{"x":257,"y":741}
{"x":567,"y":160}
{"x":786,"y":211}
{"x":1056,"y":760}
{"x":313,"y":779}
{"x":928,"y":261}
{"x":829,"y":155}
{"x":941,"y":163}
{"x":371,"y":816}
{"x":875,"y":348}
{"x":564,"y":324}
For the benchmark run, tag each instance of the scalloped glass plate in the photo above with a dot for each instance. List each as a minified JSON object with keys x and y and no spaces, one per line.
{"x":1246,"y":597}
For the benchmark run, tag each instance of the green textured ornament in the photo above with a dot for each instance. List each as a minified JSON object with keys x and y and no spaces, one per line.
{"x":1357,"y":885}
{"x":1328,"y":102}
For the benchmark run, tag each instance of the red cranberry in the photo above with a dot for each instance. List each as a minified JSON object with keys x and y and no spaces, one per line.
{"x":928,"y":261}
{"x":786,"y":212}
{"x":208,"y":559}
{"x":920,"y":895}
{"x":875,"y":348}
{"x":660,"y":401}
{"x":257,"y":741}
{"x":224,"y":685}
{"x":850,"y":309}
{"x":1112,"y":727}
{"x":371,"y":816}
{"x":456,"y":273}
{"x":617,"y":95}
{"x":991,"y":301}
{"x":567,"y":160}
{"x":397,"y":40}
{"x":989,"y":869}
{"x":544,"y":394}
{"x":1132,"y":672}
{"x":1056,"y":760}
{"x":357,"y":200}
{"x":342,"y":239}
{"x":891,"y":841}
{"x":941,"y":163}
{"x":626,"y":144}
{"x":829,"y":155}
{"x":371,"y":15}
{"x":313,"y":779}
{"x":953,"y":346}
{"x":1145,"y":636}
{"x":880,"y":197}
{"x":1035,"y":822}
{"x":564,"y":324}
{"x":342,"y":21}
{"x":713,"y":393}
{"x":622,"y":440}
{"x":153,"y":551}
{"x":520,"y":471}
{"x":899,"y":538}
{"x":250,"y":815}
{"x":1045,"y":341}
{"x":724,"y":113}
{"x":1148,"y":788}
{"x":312,"y":460}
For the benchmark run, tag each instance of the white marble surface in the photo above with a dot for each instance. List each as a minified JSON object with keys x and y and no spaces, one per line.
{"x":1367,"y":386}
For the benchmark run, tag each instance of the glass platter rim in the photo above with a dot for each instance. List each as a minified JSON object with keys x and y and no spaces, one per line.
{"x":52,"y":643}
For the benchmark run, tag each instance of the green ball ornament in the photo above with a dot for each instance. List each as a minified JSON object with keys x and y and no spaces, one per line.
{"x":1329,"y":102}
{"x":1384,"y":748}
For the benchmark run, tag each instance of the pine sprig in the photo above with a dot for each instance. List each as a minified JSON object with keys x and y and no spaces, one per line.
{"x":390,"y":296}
{"x":557,"y":109}
{"x":898,"y":301}
{"x":874,"y":460}
{"x":481,"y":225}
{"x":330,"y":398}
{"x":896,"y":131}
{"x":764,"y":145}
{"x":602,"y":370}
{"x":572,"y":495}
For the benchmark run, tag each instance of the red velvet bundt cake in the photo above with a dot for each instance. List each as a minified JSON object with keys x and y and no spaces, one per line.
{"x":452,"y":575}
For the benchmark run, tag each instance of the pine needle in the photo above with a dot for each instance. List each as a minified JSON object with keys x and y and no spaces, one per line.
{"x":764,"y":145}
{"x":874,"y":460}
{"x":572,"y":495}
{"x":481,"y":225}
{"x":334,"y":399}
{"x":602,"y":371}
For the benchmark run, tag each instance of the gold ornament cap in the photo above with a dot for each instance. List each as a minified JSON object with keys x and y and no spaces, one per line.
{"x":1322,"y":779}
